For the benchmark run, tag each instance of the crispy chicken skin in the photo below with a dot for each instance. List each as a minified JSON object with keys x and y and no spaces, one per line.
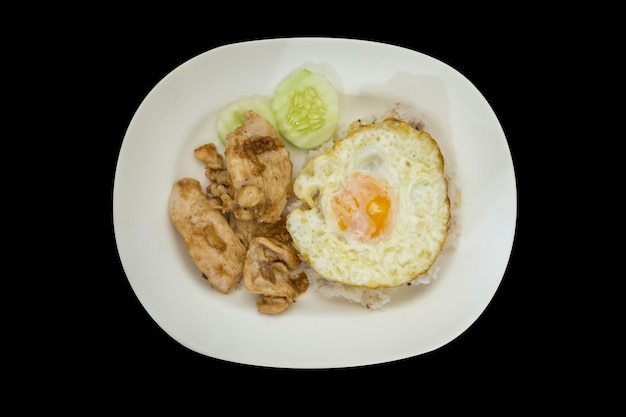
{"x":246,"y":230}
{"x":269,"y":271}
{"x":209,"y":239}
{"x":259,"y":170}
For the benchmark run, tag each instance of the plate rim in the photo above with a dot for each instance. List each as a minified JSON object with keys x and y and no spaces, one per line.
{"x":296,"y":39}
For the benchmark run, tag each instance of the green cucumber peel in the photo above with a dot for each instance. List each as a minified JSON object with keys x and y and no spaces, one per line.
{"x":230,"y":117}
{"x":306,"y":109}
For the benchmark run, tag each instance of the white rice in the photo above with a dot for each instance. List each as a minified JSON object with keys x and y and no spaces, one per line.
{"x":375,"y":299}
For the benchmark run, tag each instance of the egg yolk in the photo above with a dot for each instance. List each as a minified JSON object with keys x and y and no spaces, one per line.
{"x":362,"y":207}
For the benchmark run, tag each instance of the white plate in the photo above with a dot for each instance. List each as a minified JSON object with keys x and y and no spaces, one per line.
{"x":179,"y":114}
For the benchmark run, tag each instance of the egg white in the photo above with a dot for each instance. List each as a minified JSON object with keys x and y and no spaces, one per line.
{"x":410,"y":164}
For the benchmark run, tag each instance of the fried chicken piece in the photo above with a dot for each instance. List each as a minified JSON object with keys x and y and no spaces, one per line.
{"x":237,"y":229}
{"x":214,"y":247}
{"x":246,"y":230}
{"x":208,"y":154}
{"x":269,"y":270}
{"x":215,"y":169}
{"x":259,"y":170}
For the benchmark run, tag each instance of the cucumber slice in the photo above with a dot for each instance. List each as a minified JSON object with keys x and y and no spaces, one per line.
{"x":306,"y":108}
{"x":230,"y":117}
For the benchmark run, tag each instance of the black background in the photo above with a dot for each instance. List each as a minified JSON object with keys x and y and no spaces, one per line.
{"x":498,"y":347}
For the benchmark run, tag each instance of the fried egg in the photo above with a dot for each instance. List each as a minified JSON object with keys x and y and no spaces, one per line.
{"x":376,"y":206}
